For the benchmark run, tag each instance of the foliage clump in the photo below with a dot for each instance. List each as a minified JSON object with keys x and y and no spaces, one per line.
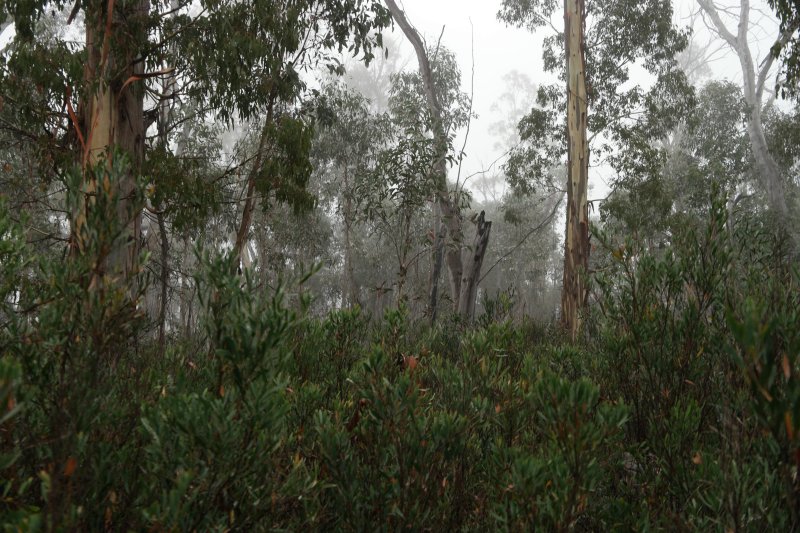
{"x":679,"y":408}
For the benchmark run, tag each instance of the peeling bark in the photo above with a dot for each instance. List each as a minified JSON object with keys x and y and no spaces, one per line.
{"x":113,"y":114}
{"x":472,"y":274}
{"x":576,"y":242}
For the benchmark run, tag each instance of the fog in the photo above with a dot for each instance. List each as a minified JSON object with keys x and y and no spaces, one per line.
{"x":488,"y":50}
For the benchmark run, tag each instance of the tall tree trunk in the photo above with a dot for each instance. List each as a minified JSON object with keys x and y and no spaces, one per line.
{"x":350,"y":288}
{"x":162,"y":314}
{"x":753,"y":85}
{"x":472,"y":273}
{"x":113,"y":112}
{"x":449,"y":209}
{"x":576,"y":242}
{"x":169,"y":87}
{"x":436,"y":266}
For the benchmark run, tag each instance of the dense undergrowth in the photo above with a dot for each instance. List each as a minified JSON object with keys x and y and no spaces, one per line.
{"x":678,"y":411}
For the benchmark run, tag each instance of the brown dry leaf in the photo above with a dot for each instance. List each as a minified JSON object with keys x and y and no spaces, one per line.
{"x":410,"y":362}
{"x":787,"y":367}
{"x":70,"y":467}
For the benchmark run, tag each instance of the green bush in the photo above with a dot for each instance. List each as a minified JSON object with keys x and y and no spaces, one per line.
{"x":701,"y":344}
{"x":679,"y":411}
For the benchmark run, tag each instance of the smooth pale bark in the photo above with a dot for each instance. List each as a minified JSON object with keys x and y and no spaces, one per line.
{"x":113,"y":116}
{"x":576,"y":242}
{"x":753,"y":91}
{"x":472,"y":273}
{"x":449,"y":211}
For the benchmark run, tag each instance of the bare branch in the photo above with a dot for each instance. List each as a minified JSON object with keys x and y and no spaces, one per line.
{"x":710,"y":9}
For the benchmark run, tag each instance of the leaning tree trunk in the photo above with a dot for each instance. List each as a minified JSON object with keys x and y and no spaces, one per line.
{"x":576,"y":242}
{"x":449,"y":209}
{"x":250,"y":193}
{"x":753,"y":85}
{"x":472,"y":274}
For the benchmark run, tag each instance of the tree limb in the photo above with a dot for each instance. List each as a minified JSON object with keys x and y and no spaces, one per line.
{"x":711,"y":10}
{"x":544,"y":222}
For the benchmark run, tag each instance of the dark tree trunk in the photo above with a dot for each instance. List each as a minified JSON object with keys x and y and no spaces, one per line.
{"x":436,"y":270}
{"x":350,"y":288}
{"x":472,"y":273}
{"x":250,"y":199}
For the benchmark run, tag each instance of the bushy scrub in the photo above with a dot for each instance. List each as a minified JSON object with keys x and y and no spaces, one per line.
{"x":678,"y":410}
{"x":701,"y":345}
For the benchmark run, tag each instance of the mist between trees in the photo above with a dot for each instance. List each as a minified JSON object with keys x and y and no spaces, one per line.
{"x":247,"y":284}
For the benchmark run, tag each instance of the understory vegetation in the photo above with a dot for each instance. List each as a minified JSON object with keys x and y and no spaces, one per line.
{"x":276,"y":265}
{"x":678,"y":410}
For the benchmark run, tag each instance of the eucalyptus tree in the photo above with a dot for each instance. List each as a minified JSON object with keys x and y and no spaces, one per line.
{"x":662,"y":186}
{"x":524,"y":263}
{"x":512,"y":105}
{"x":600,"y":42}
{"x":524,"y":257}
{"x":32,"y":145}
{"x":250,"y":59}
{"x":235,"y":61}
{"x":348,"y":140}
{"x":444,"y":203}
{"x":393,"y":195}
{"x":755,"y":77}
{"x":783,"y":136}
{"x":403,"y":181}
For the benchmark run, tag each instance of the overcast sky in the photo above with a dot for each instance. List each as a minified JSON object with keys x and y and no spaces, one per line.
{"x":471,"y":27}
{"x":499,"y":49}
